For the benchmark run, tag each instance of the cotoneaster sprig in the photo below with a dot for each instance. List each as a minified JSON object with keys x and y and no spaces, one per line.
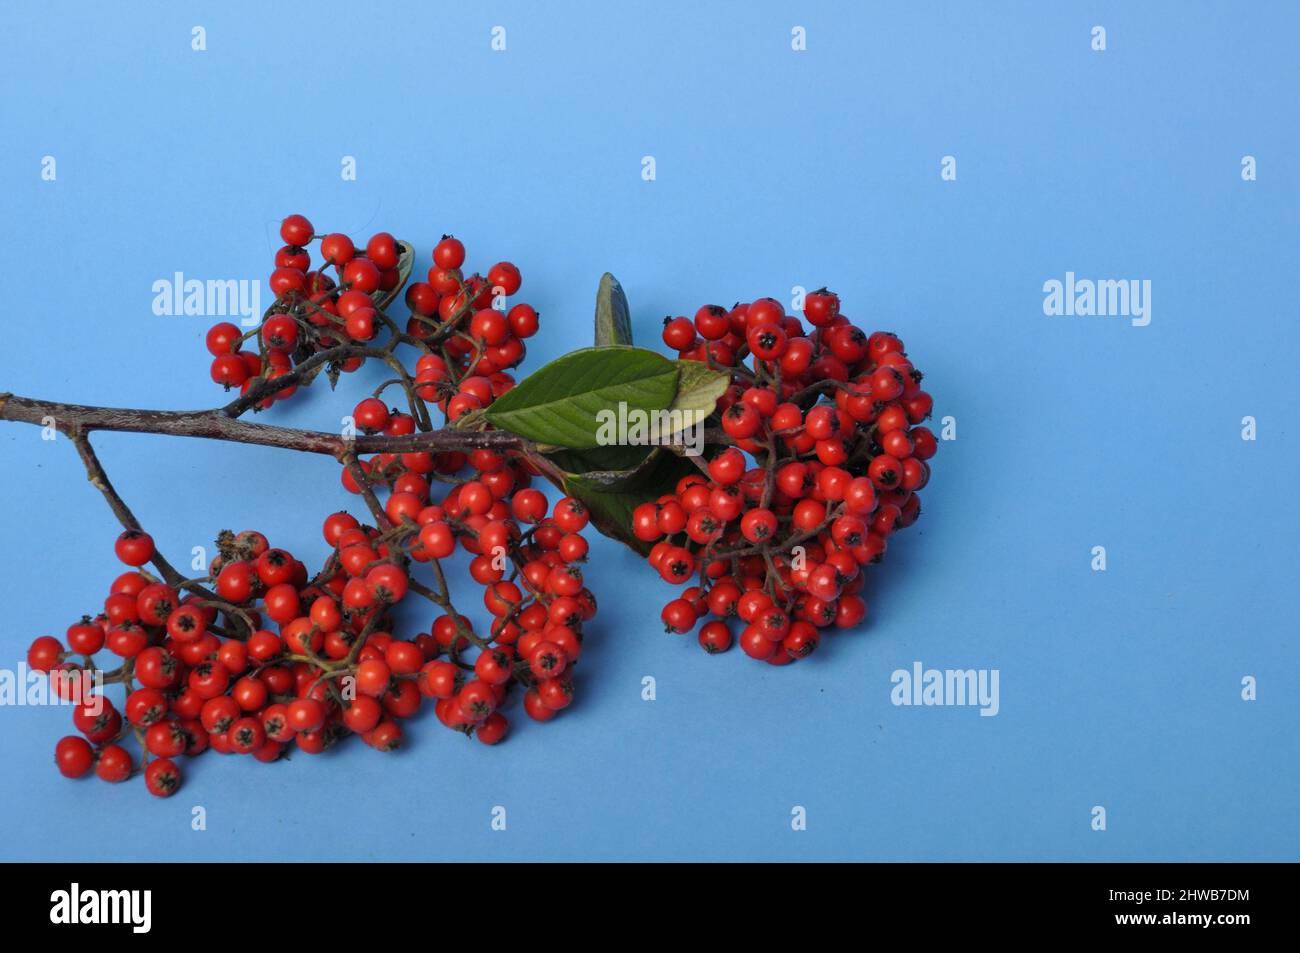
{"x":813,"y":455}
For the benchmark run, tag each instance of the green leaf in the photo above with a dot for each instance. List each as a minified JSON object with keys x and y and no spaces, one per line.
{"x":613,"y":323}
{"x":559,"y":403}
{"x":616,"y":459}
{"x":613,"y":481}
{"x":698,"y":390}
{"x":611,"y":501}
{"x":626,"y":470}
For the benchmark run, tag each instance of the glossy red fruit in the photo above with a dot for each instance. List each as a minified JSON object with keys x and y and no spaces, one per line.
{"x":715,"y":637}
{"x":114,"y":764}
{"x":296,"y":230}
{"x":134,"y":547}
{"x":337,"y":249}
{"x":44,"y":653}
{"x":504,"y":276}
{"x":821,"y":307}
{"x":493,"y":729}
{"x":678,"y":333}
{"x":383,"y":250}
{"x":74,"y":756}
{"x":449,"y":253}
{"x":162,"y":777}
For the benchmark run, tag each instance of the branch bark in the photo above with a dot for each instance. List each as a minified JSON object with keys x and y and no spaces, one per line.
{"x":80,"y":419}
{"x":99,"y":480}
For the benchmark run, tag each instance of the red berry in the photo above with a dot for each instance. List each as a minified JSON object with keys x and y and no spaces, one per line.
{"x":235,"y":582}
{"x":645,"y":522}
{"x":162,"y":777}
{"x":547,"y":660}
{"x":571,"y":515}
{"x":305,"y":714}
{"x":801,"y":639}
{"x":536,"y":708}
{"x":280,"y":332}
{"x":555,"y":693}
{"x":678,"y":616}
{"x":229,"y":370}
{"x":493,"y":729}
{"x":438,"y":680}
{"x":523,"y":321}
{"x":134,"y":547}
{"x":489,"y":326}
{"x":294,"y":257}
{"x":764,"y":311}
{"x":383,"y":250}
{"x":296,"y":230}
{"x":223,"y":339}
{"x":755,"y":644}
{"x":885,"y":471}
{"x":766,"y":342}
{"x":287,"y":282}
{"x":712,"y":323}
{"x":677,"y":565}
{"x":337,"y":249}
{"x":44,"y":653}
{"x":679,"y":333}
{"x":821,"y":307}
{"x":361,"y":275}
{"x":114,"y":764}
{"x":246,"y":735}
{"x":505,"y":276}
{"x":362,"y":714}
{"x":449,"y":253}
{"x":165,"y":739}
{"x":74,"y":756}
{"x":728,"y":467}
{"x":371,"y":415}
{"x":373,"y":677}
{"x":715,"y":637}
{"x":886,"y":384}
{"x":758,"y":526}
{"x":476,"y":701}
{"x":924,"y":445}
{"x":741,"y":420}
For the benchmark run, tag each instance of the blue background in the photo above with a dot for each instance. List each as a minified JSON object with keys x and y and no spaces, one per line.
{"x":775,"y":169}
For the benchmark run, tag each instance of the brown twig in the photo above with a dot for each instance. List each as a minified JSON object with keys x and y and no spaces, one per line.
{"x":74,"y":419}
{"x":98,"y":478}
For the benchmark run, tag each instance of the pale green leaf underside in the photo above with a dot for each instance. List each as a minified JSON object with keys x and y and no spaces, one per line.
{"x":698,"y":390}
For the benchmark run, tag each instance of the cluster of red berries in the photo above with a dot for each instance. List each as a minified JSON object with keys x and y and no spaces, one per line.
{"x":454,"y":320}
{"x":492,"y":341}
{"x":259,"y":655}
{"x":825,"y":463}
{"x":206,"y":669}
